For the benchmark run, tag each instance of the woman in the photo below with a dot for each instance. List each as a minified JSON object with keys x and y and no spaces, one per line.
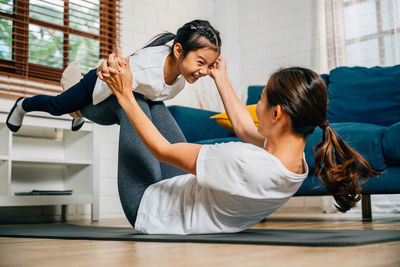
{"x":232,"y":186}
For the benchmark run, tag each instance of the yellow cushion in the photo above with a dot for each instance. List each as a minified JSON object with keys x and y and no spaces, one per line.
{"x":224,"y":121}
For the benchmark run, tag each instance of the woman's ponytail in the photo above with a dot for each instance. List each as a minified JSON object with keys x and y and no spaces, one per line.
{"x":340,"y":169}
{"x":161,"y":39}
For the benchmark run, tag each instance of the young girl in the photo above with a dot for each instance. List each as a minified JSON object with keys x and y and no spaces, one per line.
{"x":159,"y":73}
{"x":232,"y":186}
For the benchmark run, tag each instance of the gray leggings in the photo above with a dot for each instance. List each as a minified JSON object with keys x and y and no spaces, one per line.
{"x":137,"y":167}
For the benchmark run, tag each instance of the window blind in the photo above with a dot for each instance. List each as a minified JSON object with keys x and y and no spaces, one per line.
{"x":39,"y":38}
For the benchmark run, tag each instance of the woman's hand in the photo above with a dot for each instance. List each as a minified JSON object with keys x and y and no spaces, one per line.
{"x":218,"y":69}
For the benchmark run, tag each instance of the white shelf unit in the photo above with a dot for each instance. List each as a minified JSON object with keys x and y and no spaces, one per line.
{"x":46,"y":155}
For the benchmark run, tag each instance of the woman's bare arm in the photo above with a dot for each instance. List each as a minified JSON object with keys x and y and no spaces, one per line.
{"x":240,"y":118}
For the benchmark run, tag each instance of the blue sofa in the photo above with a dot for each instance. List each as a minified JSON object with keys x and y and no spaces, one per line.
{"x":364,"y":108}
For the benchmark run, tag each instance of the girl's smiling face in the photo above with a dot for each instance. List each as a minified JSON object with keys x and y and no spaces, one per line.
{"x":196,"y":63}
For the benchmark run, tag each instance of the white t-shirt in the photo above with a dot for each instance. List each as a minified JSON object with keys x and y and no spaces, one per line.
{"x":236,"y":186}
{"x":147,"y":67}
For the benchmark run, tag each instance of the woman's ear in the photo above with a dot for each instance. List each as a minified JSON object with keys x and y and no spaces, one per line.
{"x":178,"y":50}
{"x":276,"y":113}
{"x":279,"y":115}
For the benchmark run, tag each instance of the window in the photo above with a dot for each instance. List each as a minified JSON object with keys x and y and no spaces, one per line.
{"x":39,"y":38}
{"x":372,"y":32}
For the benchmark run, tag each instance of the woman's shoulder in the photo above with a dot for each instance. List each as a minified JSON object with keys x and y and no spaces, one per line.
{"x":256,"y":158}
{"x":232,"y":149}
{"x":246,"y":147}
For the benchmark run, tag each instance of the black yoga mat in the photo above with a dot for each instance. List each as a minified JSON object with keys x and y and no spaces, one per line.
{"x":251,"y":236}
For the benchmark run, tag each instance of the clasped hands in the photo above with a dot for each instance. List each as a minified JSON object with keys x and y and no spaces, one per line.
{"x":115,"y":71}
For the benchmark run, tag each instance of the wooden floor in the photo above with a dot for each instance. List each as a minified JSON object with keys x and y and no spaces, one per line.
{"x":49,"y":252}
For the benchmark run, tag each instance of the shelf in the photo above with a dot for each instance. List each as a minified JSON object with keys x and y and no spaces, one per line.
{"x":4,"y":177}
{"x":51,"y":161}
{"x":44,"y":200}
{"x":72,"y":147}
{"x":4,"y":140}
{"x":45,"y":154}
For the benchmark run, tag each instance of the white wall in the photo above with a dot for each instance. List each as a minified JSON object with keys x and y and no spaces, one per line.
{"x":274,"y":34}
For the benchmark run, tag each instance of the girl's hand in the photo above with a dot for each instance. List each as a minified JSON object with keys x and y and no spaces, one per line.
{"x":120,"y":83}
{"x":218,"y":69}
{"x":104,"y":70}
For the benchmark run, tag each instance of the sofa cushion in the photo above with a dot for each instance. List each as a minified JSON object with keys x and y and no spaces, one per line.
{"x":391,"y":144}
{"x":365,"y":138}
{"x":223,"y":120}
{"x":196,"y":123}
{"x":253,"y":94}
{"x":312,"y":186}
{"x":254,"y":91}
{"x":386,"y":183}
{"x":369,"y":95}
{"x":325,"y":77}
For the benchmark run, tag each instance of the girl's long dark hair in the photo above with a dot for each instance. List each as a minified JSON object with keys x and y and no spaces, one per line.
{"x":302,"y":94}
{"x":189,"y":36}
{"x":161,"y":39}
